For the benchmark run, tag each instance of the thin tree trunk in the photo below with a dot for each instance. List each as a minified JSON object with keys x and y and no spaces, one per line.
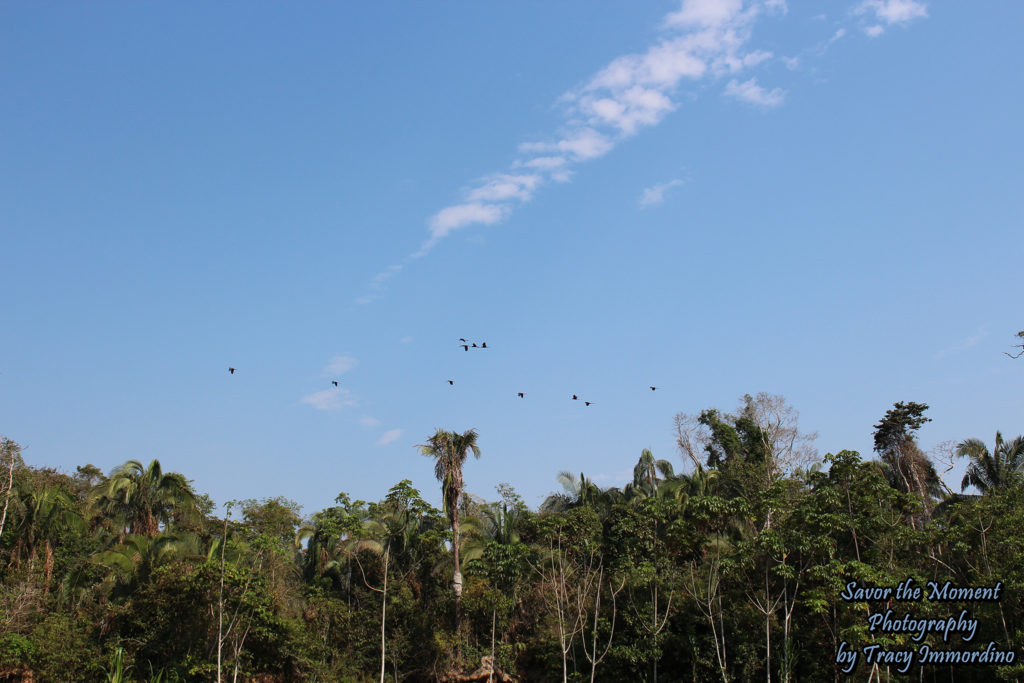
{"x":457,"y":576}
{"x":384,"y":612}
{"x":47,"y":565}
{"x":220,"y":597}
{"x":10,"y":485}
{"x":494,"y":614}
{"x":457,"y":581}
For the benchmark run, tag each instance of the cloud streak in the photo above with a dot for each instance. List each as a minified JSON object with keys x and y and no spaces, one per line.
{"x":339,"y":365}
{"x":890,"y":12}
{"x":653,"y":196}
{"x":702,"y":40}
{"x":752,"y":93}
{"x":336,"y":398}
{"x":390,"y":436}
{"x":971,"y":341}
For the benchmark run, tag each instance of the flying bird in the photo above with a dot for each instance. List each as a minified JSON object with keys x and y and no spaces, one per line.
{"x":461,"y":339}
{"x":587,"y":403}
{"x":231,"y":370}
{"x":334,"y":382}
{"x":653,"y":388}
{"x":451,"y":382}
{"x":522,"y":395}
{"x":475,"y":346}
{"x":575,"y":397}
{"x":465,"y":347}
{"x":483,"y":345}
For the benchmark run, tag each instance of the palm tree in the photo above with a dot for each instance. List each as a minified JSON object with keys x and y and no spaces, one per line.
{"x":39,"y":516}
{"x":449,"y":451}
{"x":580,"y":492}
{"x":131,"y":561}
{"x":991,"y":471}
{"x":141,"y":498}
{"x":645,"y":476}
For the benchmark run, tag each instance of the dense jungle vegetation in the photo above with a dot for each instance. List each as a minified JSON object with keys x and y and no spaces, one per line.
{"x":732,"y":570}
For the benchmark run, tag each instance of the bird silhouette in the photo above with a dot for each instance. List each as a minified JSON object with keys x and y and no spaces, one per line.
{"x":483,"y":345}
{"x":451,"y":382}
{"x":231,"y":370}
{"x":334,"y":382}
{"x":465,"y":347}
{"x":653,"y":388}
{"x":475,"y":346}
{"x":575,"y":397}
{"x":461,"y":339}
{"x":522,"y":395}
{"x":587,"y":403}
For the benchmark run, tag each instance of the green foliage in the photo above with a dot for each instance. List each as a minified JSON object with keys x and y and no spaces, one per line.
{"x":16,"y":650}
{"x":899,"y":424}
{"x":730,"y":572}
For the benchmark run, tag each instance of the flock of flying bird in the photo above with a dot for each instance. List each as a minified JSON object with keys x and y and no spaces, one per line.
{"x":466,"y":346}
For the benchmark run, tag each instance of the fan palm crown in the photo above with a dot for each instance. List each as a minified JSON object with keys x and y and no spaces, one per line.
{"x":999,"y":469}
{"x":141,"y":498}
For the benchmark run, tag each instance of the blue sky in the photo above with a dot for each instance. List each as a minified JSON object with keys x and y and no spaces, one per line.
{"x":719,"y":197}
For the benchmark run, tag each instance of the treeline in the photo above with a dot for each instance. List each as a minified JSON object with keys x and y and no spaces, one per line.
{"x":732,"y":571}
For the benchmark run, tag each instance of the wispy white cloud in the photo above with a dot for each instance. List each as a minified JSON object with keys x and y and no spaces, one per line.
{"x":335,"y":398}
{"x":389,"y":436}
{"x":653,"y":196}
{"x":544,"y":163}
{"x":750,"y":91}
{"x":339,"y":365}
{"x":704,"y":13}
{"x":793,"y":63}
{"x":581,"y":145}
{"x":503,"y":186}
{"x":378,"y":282}
{"x":962,"y":346}
{"x":369,"y":421}
{"x":889,"y":12}
{"x":459,"y":216}
{"x":702,"y":40}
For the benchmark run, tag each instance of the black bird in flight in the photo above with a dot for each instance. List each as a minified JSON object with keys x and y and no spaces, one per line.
{"x":483,"y":345}
{"x":587,"y":403}
{"x":575,"y":397}
{"x":465,"y":347}
{"x":653,"y":388}
{"x":334,"y":382}
{"x":522,"y":395}
{"x":461,"y":339}
{"x":475,"y":346}
{"x":451,"y":382}
{"x":231,"y":370}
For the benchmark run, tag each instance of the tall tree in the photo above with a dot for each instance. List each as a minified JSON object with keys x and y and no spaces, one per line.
{"x":905,"y":465}
{"x":141,"y":498}
{"x":645,"y":476}
{"x":449,"y":451}
{"x":9,"y":453}
{"x":996,"y":470}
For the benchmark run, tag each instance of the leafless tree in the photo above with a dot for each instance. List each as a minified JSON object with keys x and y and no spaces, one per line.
{"x":561,"y":593}
{"x":786,"y":446}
